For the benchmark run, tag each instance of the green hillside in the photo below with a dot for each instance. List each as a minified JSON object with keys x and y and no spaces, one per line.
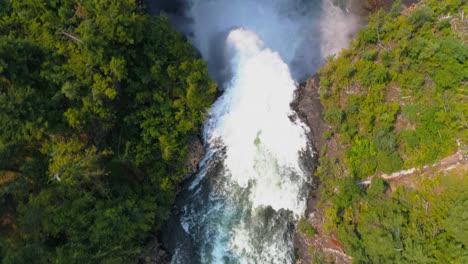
{"x":398,"y":99}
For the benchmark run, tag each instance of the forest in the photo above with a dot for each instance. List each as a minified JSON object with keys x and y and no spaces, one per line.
{"x":397,"y":100}
{"x":97,"y":102}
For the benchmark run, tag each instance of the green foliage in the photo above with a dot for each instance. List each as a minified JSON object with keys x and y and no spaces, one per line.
{"x":327,"y":134}
{"x":443,"y":24}
{"x":324,"y":82}
{"x":377,"y":187}
{"x":369,"y":55}
{"x":384,"y":140}
{"x":386,"y":58}
{"x":306,"y":228}
{"x":450,"y":74}
{"x":413,"y":226}
{"x":380,"y":75}
{"x":368,"y":35}
{"x":97,"y":100}
{"x":360,"y":159}
{"x":334,"y":115}
{"x":457,"y":219}
{"x":411,"y":80}
{"x":348,"y":193}
{"x":389,"y":162}
{"x":351,"y":108}
{"x":405,"y":106}
{"x":395,"y":11}
{"x":420,"y":15}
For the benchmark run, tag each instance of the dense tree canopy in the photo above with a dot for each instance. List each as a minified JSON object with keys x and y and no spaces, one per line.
{"x":97,"y":100}
{"x":397,"y":99}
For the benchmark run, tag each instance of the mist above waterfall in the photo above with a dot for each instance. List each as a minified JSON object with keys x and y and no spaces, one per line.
{"x":303,"y":32}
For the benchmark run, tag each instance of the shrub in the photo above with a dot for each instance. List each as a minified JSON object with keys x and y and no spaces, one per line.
{"x":450,"y":75}
{"x":384,"y":141}
{"x":411,"y":80}
{"x":443,"y":24}
{"x":334,"y":115}
{"x":380,"y":75}
{"x":348,"y":72}
{"x":368,"y":35}
{"x":420,"y":15}
{"x":410,"y":137}
{"x":395,"y":11}
{"x":365,"y":75}
{"x":324,"y":82}
{"x":348,"y":192}
{"x":306,"y":228}
{"x":389,"y":163}
{"x":377,"y":187}
{"x":351,"y":108}
{"x":369,"y":55}
{"x":327,"y":134}
{"x":385,"y":58}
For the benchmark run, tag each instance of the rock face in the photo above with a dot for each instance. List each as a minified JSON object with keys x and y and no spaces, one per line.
{"x":309,"y":109}
{"x":364,"y":7}
{"x":196,"y":153}
{"x":156,"y":254}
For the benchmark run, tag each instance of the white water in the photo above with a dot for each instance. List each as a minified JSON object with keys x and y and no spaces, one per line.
{"x":251,"y":119}
{"x":253,"y":183}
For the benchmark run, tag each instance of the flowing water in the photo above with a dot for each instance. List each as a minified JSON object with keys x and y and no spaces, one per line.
{"x":253,"y":182}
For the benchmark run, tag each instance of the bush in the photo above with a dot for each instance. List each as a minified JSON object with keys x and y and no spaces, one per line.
{"x":334,"y":115}
{"x":377,"y":187}
{"x":411,"y":80}
{"x":395,"y":11}
{"x":351,"y":108}
{"x":306,"y":228}
{"x":385,"y":58}
{"x":380,"y":75}
{"x":389,"y":162}
{"x":443,"y":24}
{"x":419,"y":16}
{"x":369,"y":55}
{"x":365,"y":74}
{"x":349,"y":191}
{"x":450,"y":75}
{"x":327,"y":134}
{"x":384,"y":141}
{"x":324,"y":82}
{"x":368,"y":35}
{"x":348,"y":72}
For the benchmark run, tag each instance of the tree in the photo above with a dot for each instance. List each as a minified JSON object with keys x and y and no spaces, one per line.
{"x":420,"y":15}
{"x":456,"y":221}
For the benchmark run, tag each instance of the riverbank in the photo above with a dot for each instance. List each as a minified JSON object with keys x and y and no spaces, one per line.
{"x":309,"y":109}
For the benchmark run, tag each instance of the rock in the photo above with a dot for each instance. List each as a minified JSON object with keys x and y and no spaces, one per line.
{"x":155,"y":255}
{"x":309,"y":109}
{"x":196,"y":153}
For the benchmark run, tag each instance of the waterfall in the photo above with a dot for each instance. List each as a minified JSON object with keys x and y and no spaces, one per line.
{"x":253,"y":182}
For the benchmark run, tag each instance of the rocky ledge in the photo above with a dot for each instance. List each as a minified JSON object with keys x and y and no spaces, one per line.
{"x":308,"y":107}
{"x":196,"y":153}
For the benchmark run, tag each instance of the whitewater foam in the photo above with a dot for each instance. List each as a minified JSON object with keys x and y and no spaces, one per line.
{"x":262,"y":144}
